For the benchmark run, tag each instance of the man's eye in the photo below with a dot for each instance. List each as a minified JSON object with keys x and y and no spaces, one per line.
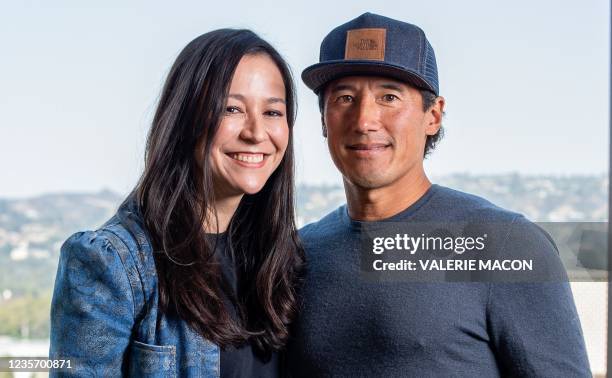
{"x":345,"y":99}
{"x":273,"y":113}
{"x":390,"y":98}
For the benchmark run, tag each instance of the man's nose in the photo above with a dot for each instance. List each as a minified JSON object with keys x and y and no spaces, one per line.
{"x":254,"y":129}
{"x":367,"y":117}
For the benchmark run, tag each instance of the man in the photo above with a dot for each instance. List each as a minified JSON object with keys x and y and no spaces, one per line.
{"x":381,"y":112}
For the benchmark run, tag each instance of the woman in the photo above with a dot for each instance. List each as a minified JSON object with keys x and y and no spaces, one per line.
{"x":196,"y":273}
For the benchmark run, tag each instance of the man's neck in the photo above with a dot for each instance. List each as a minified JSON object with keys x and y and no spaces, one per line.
{"x":366,"y":204}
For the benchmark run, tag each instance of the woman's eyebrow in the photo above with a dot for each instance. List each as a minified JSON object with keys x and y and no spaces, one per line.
{"x":236,"y":96}
{"x":242,"y":98}
{"x":273,"y":100}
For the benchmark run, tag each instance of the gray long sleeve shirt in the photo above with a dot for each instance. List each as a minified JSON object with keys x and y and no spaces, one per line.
{"x":350,"y":326}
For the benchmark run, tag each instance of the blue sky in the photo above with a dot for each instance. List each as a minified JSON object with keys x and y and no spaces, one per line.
{"x":526,"y":83}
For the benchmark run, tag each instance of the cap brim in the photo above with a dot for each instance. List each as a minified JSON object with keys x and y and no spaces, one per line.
{"x":317,"y":75}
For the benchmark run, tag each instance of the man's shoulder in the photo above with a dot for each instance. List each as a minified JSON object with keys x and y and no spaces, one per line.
{"x":324,"y":227}
{"x":455,"y":204}
{"x":511,"y":235}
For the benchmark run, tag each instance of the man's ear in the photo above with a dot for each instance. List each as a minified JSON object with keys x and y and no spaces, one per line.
{"x":323,"y":127}
{"x":434,"y":116}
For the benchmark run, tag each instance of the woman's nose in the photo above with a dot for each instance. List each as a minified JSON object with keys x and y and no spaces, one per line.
{"x":254,"y":129}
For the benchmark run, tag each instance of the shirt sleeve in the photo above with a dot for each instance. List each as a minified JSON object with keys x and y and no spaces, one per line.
{"x":92,"y":310}
{"x":534,"y":326}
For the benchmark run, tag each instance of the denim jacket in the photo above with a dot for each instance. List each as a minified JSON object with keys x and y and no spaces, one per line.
{"x":104,"y":312}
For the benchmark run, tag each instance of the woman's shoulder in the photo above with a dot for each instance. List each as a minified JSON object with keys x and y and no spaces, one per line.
{"x":122,"y":234}
{"x":119,"y":251}
{"x":126,"y":228}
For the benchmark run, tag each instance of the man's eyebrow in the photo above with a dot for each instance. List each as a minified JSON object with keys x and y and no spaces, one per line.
{"x":392,"y":86}
{"x":341,"y":87}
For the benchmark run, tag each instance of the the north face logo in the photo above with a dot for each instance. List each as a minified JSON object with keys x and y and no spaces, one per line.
{"x":365,"y":44}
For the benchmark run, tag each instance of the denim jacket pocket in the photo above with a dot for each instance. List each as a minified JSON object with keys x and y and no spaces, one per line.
{"x":148,"y":360}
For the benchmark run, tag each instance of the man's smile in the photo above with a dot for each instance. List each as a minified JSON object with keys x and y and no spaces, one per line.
{"x":368,"y":149}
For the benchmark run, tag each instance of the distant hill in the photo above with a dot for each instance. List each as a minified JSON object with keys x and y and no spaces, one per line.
{"x":52,"y":217}
{"x":33,"y":230}
{"x":61,"y":210}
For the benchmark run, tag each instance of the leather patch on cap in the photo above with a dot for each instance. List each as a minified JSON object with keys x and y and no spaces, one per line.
{"x":366,"y":44}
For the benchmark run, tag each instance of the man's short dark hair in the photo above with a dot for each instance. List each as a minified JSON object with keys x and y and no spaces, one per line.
{"x":429,"y":99}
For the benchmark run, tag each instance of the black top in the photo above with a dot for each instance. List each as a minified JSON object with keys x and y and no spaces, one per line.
{"x":239,"y":362}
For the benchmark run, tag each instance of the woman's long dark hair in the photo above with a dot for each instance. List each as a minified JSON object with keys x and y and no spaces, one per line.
{"x":176,"y":198}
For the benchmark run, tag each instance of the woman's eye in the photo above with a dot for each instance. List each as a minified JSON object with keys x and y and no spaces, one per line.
{"x":390,"y":98}
{"x":232,"y":109}
{"x":345,"y":99}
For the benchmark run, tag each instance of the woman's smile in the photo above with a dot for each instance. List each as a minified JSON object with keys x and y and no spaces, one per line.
{"x":248,"y":159}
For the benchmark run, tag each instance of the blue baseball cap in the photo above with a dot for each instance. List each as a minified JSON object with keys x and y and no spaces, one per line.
{"x":374,"y":45}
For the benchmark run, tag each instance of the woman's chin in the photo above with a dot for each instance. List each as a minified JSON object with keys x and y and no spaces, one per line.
{"x":251,"y":187}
